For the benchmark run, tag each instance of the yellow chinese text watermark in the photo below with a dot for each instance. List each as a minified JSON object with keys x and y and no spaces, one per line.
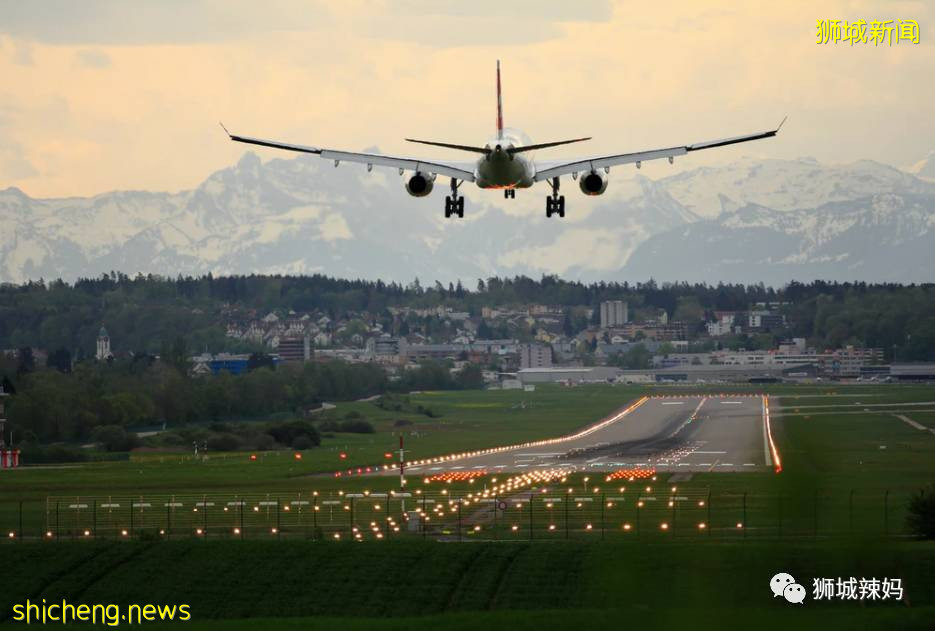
{"x":875,"y":32}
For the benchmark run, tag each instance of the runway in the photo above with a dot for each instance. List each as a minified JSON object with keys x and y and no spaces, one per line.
{"x":684,"y":434}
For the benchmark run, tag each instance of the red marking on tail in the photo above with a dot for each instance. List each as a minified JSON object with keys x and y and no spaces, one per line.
{"x":499,"y":105}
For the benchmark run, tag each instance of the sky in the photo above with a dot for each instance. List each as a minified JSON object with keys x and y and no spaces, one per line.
{"x":104,"y":95}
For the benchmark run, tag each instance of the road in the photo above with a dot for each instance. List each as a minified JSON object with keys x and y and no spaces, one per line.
{"x":683,"y":434}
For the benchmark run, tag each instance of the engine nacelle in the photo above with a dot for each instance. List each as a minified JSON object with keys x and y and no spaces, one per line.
{"x":593,"y":183}
{"x":420,"y":184}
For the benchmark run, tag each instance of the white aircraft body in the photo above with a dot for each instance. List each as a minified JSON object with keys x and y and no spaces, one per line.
{"x":506,"y":162}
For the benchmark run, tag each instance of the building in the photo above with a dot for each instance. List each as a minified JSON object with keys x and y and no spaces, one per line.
{"x":103,"y":345}
{"x":614,"y":313}
{"x":226,"y":362}
{"x":592,"y":374}
{"x":295,"y":348}
{"x":765,"y":321}
{"x":9,"y":457}
{"x":535,"y":356}
{"x":913,"y":372}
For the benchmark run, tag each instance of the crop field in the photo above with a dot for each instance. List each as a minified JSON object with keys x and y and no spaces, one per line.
{"x":509,"y":585}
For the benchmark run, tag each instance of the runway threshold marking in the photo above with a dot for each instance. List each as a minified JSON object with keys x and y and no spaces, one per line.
{"x":673,"y":403}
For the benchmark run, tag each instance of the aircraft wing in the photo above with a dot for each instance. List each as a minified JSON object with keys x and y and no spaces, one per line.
{"x":591,"y":164}
{"x":458,"y":170}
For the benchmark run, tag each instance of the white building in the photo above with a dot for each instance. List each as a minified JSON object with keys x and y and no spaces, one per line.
{"x":103,"y":345}
{"x":535,"y":356}
{"x":614,"y":313}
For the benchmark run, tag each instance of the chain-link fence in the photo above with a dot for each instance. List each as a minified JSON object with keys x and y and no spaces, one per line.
{"x":557,"y":513}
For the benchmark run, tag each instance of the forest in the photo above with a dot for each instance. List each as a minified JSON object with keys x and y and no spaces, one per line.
{"x":148,"y":312}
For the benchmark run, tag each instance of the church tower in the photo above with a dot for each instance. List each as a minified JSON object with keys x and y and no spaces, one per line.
{"x":103,"y":345}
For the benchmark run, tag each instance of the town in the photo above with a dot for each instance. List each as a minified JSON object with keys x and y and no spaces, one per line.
{"x":544,"y":343}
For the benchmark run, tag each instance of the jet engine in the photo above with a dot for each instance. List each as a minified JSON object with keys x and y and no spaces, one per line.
{"x":593,"y":183}
{"x":420,"y":184}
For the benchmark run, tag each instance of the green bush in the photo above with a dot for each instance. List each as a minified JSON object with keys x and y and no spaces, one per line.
{"x":356,"y":427}
{"x":921,"y":518}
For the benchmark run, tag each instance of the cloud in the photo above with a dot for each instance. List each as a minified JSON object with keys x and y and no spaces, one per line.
{"x":92,"y":58}
{"x":127,"y":95}
{"x":143,"y":22}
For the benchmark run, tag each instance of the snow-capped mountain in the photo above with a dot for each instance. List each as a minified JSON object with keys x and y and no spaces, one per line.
{"x":924,"y":168}
{"x":885,"y":237}
{"x":769,"y":220}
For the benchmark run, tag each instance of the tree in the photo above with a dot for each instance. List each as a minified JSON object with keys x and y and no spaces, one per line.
{"x":566,"y":326}
{"x":483,"y":331}
{"x":27,"y":362}
{"x":115,"y":438}
{"x":921,"y":517}
{"x":471,"y":377}
{"x":59,"y":360}
{"x":260,"y":360}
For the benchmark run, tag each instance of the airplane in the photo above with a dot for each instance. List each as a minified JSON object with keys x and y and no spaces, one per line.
{"x":506,"y":162}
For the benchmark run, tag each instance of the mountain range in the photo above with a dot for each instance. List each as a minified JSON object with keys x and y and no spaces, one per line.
{"x":750,"y":221}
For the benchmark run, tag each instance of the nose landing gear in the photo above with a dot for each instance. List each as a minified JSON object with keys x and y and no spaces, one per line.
{"x":454,"y":203}
{"x":555,"y":203}
{"x":509,"y":193}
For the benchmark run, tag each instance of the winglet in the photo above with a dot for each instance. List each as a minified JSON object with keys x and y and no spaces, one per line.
{"x":229,"y":135}
{"x":781,"y":123}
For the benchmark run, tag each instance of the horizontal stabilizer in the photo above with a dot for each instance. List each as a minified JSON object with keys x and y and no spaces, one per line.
{"x":450,"y":145}
{"x":545,"y":145}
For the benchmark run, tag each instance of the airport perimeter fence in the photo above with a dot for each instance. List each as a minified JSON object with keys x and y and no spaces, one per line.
{"x":560,"y":513}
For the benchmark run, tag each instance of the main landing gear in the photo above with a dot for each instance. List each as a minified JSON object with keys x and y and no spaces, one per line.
{"x":555,"y":203}
{"x":509,"y":193}
{"x":454,"y":203}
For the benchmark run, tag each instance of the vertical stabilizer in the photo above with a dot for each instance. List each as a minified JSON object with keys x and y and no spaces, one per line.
{"x":499,"y":104}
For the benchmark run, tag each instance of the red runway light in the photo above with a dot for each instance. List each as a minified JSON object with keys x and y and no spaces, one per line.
{"x":342,"y":456}
{"x":298,"y":456}
{"x":252,"y":456}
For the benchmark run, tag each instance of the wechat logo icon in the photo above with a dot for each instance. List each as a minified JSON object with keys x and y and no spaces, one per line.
{"x":783,"y":584}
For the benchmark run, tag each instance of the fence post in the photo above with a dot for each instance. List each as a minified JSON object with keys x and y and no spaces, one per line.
{"x":278,"y":521}
{"x":638,"y":513}
{"x":424,"y":516}
{"x":57,"y":529}
{"x":780,"y":515}
{"x":566,"y":517}
{"x":169,"y":517}
{"x":130,"y":506}
{"x":19,"y":534}
{"x":351,"y":524}
{"x":241,"y":503}
{"x":496,"y":526}
{"x":674,"y":524}
{"x":94,"y":517}
{"x":850,"y":512}
{"x":459,"y":519}
{"x":708,"y":504}
{"x":531,"y":536}
{"x":886,"y":513}
{"x":744,"y":522}
{"x":603,"y":506}
{"x":815,"y":517}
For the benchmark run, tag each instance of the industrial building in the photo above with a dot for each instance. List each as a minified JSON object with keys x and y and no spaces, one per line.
{"x":614,"y":313}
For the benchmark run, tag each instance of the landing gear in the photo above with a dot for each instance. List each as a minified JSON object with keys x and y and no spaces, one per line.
{"x":555,"y":203}
{"x":509,"y":193}
{"x":454,"y":203}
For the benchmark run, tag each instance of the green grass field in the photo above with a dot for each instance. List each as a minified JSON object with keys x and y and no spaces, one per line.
{"x":504,"y":585}
{"x":845,"y":469}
